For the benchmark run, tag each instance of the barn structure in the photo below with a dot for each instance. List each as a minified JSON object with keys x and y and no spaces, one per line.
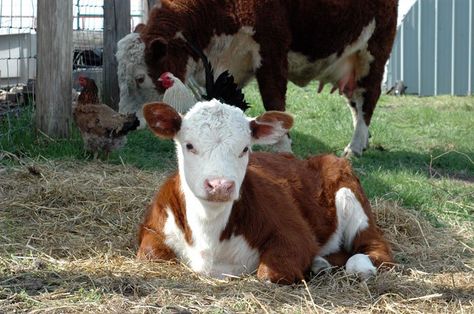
{"x":433,"y":52}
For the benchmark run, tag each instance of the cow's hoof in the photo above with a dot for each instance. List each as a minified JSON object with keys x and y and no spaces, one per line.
{"x":361,"y":265}
{"x":351,"y":152}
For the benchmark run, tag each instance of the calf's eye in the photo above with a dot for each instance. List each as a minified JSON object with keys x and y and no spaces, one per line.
{"x":189,"y":146}
{"x":244,"y":151}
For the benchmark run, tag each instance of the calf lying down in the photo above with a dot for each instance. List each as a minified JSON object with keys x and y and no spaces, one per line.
{"x":230,"y":211}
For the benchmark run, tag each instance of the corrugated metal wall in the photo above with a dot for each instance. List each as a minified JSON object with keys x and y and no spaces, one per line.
{"x":434,"y":49}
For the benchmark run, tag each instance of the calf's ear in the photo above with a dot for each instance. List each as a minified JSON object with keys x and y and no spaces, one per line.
{"x":162,"y":119}
{"x":270,"y":127}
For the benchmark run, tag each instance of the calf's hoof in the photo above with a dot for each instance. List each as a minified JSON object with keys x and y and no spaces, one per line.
{"x":265,"y":273}
{"x":361,"y":265}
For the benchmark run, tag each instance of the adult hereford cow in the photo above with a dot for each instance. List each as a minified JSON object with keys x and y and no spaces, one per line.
{"x":342,"y":42}
{"x":230,"y":211}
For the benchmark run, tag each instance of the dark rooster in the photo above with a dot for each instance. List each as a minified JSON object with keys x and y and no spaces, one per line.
{"x":102,"y":128}
{"x":224,"y":87}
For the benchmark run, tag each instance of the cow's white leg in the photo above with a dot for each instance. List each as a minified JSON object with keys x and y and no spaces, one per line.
{"x":360,"y":137}
{"x":362,"y":265}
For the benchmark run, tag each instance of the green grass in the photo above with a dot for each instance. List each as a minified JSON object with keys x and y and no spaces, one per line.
{"x":421,"y":154}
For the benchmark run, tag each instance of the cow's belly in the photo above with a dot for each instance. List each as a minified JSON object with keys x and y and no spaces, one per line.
{"x":355,"y":56}
{"x":211,"y":257}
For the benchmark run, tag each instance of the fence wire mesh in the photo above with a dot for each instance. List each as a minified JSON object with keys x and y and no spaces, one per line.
{"x":17,"y":61}
{"x":18,"y":20}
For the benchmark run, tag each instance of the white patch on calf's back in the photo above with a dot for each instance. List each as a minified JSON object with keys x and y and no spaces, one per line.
{"x":351,"y":219}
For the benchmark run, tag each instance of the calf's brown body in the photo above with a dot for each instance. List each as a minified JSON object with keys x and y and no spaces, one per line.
{"x":286,"y":212}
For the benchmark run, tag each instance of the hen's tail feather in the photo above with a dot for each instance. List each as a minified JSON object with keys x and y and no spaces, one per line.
{"x":131,"y":123}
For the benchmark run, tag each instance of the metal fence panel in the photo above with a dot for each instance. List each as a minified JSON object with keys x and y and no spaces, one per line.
{"x":471,"y":50}
{"x":394,"y":68}
{"x":409,"y":58}
{"x":434,"y":50}
{"x":426,"y":31}
{"x":443,"y":66}
{"x":461,"y":50}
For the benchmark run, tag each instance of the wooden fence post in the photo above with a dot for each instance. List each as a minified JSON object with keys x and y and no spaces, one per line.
{"x":116,"y":26}
{"x":54,"y":67}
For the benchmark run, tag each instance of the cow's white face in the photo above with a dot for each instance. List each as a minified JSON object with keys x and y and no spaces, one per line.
{"x":213,"y":144}
{"x":213,"y":150}
{"x":136,"y":86}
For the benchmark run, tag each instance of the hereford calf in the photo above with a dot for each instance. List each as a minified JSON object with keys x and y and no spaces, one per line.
{"x":229,"y":211}
{"x":341,"y":42}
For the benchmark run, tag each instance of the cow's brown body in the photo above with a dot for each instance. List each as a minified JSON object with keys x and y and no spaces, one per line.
{"x":286,"y":212}
{"x":297,"y":40}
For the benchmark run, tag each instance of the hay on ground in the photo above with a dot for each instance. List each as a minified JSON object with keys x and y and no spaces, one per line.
{"x":68,"y":239}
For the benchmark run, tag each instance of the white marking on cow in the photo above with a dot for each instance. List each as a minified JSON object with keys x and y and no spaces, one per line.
{"x":136,"y":86}
{"x":179,"y":35}
{"x":331,"y":69}
{"x":360,"y":137}
{"x":360,"y":264}
{"x":351,"y":219}
{"x":238,"y":53}
{"x":208,"y":255}
{"x":204,"y":126}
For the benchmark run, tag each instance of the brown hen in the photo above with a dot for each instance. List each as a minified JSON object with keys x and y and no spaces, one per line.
{"x":102,"y":129}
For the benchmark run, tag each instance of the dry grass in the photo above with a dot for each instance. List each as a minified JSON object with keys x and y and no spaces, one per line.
{"x":67,"y":244}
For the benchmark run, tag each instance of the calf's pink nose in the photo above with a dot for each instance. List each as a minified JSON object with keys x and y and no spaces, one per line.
{"x":221,"y":186}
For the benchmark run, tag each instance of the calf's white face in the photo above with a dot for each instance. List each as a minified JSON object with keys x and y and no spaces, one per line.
{"x":213,"y":144}
{"x":213,"y":150}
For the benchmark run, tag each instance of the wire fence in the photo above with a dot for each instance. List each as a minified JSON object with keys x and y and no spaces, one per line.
{"x":18,"y":20}
{"x":17,"y":62}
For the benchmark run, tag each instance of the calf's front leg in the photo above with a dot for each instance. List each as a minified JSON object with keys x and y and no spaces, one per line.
{"x":286,"y":261}
{"x":152,"y":246}
{"x":371,"y":251}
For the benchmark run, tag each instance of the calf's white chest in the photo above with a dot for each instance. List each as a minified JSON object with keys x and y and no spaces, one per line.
{"x":207,"y":254}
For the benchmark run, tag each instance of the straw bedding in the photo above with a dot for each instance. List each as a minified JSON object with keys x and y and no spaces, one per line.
{"x":68,"y":238}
